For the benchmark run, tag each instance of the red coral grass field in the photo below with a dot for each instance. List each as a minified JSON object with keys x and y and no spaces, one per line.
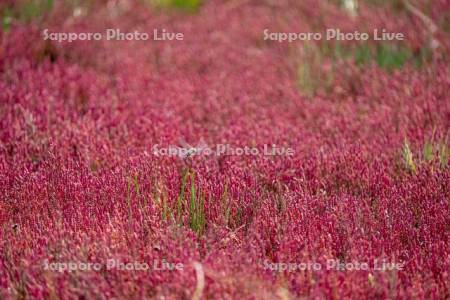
{"x":165,"y":149}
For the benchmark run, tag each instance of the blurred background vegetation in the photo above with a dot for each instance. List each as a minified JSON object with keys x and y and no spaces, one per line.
{"x":310,"y":76}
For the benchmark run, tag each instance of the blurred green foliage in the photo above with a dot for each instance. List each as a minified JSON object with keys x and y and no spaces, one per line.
{"x":386,"y":55}
{"x":24,"y":11}
{"x":186,"y":5}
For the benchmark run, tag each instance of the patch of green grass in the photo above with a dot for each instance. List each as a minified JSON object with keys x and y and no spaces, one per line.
{"x":390,"y":57}
{"x":311,"y":78}
{"x":444,"y":153}
{"x":192,"y":205}
{"x":408,"y":158}
{"x":428,"y":153}
{"x":394,"y":5}
{"x":180,"y":199}
{"x":24,"y":11}
{"x":433,"y":152}
{"x":363,"y":55}
{"x":185,"y":5}
{"x":386,"y":56}
{"x":436,"y":149}
{"x":7,"y":18}
{"x":34,"y":9}
{"x":197,"y":219}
